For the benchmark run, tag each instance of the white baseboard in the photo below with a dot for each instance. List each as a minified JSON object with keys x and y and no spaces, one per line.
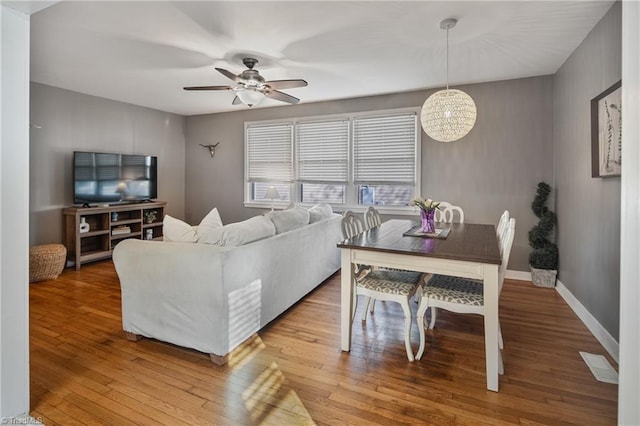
{"x":518,"y":275}
{"x":598,"y":331}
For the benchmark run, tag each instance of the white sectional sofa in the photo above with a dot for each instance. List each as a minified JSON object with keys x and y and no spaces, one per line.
{"x":211,"y":297}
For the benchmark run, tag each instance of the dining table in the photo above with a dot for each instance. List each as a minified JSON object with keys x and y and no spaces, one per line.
{"x":469,"y":251}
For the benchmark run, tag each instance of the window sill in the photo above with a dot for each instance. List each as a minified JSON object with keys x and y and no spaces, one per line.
{"x":265,"y":205}
{"x":384,"y":210}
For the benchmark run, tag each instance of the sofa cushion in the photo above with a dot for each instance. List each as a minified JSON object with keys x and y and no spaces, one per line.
{"x":210,"y":228}
{"x":320,"y":212}
{"x":290,"y":219}
{"x":239,"y":233}
{"x":175,"y":230}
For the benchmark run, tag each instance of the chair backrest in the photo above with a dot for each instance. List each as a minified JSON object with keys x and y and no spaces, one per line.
{"x":351,"y":225}
{"x":447,"y":211}
{"x":505,"y":250}
{"x":501,"y":228}
{"x":502,"y":224}
{"x":372,"y":217}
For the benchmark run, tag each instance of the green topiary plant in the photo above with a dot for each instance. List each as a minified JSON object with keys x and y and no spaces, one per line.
{"x":545,"y":252}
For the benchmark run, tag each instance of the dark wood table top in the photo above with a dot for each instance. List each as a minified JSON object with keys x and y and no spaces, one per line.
{"x":468,"y":242}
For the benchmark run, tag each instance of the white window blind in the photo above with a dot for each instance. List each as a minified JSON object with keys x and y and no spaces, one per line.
{"x":270,"y":153}
{"x":322,"y":149}
{"x":384,"y":149}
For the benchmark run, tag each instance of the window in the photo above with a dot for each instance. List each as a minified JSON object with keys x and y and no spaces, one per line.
{"x":384,"y":158}
{"x":347,"y":160}
{"x":322,"y":159}
{"x":269,"y":157}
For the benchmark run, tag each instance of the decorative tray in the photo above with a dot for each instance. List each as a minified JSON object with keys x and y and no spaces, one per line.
{"x":441,"y":232}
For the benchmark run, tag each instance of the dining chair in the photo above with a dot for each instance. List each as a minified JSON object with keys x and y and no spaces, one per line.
{"x":461,"y":295}
{"x":447,"y":212}
{"x":382,"y":284}
{"x":502,"y":224}
{"x":372,"y":220}
{"x":372,"y":217}
{"x":352,"y":225}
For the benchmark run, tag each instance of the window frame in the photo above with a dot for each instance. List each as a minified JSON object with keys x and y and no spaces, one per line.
{"x":248,"y":183}
{"x":351,"y":190}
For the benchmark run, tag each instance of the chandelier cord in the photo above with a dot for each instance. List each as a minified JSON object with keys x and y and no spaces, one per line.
{"x":447,"y":57}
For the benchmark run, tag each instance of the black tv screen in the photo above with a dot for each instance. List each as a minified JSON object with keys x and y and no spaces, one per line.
{"x":100,"y":177}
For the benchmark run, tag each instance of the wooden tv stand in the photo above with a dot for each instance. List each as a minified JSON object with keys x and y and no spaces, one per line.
{"x":108,"y":225}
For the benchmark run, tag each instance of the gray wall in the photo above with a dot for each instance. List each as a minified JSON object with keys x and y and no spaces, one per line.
{"x":73,"y":121}
{"x":588,"y":208}
{"x":496,"y":167}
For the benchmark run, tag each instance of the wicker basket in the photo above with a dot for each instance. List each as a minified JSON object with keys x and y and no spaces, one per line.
{"x":543,"y":277}
{"x":46,"y":261}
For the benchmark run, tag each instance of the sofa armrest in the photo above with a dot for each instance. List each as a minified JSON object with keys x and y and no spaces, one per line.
{"x":173,"y":292}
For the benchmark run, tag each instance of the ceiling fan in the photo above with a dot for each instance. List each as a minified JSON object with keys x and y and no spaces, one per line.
{"x":251,"y":87}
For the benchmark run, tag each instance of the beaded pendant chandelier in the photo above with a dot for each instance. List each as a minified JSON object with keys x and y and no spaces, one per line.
{"x":448,"y":115}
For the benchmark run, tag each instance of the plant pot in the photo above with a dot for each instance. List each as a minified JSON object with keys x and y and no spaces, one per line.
{"x":543,"y":277}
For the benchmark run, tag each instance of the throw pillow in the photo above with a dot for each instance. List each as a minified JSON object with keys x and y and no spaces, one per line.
{"x":320,"y":212}
{"x":175,"y":230}
{"x":253,"y":229}
{"x":290,"y":219}
{"x":210,"y":228}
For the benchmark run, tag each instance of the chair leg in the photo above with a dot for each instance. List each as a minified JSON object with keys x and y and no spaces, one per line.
{"x":500,"y":347}
{"x":422,"y":310}
{"x":365,"y":307}
{"x":434,"y":313}
{"x":407,"y":328}
{"x":355,"y":305}
{"x":372,"y":304}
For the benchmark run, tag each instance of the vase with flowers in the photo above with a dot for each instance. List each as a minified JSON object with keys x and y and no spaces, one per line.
{"x":428,"y":209}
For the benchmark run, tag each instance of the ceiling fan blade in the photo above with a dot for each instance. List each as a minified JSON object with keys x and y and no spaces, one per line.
{"x":228,"y":74}
{"x":280,"y":96}
{"x":286,"y":84}
{"x":208,"y":88}
{"x":236,"y":101}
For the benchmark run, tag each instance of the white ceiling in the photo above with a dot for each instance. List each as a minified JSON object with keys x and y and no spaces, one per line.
{"x":145,"y":52}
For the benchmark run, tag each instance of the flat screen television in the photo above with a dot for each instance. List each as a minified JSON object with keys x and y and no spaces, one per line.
{"x":107,"y":178}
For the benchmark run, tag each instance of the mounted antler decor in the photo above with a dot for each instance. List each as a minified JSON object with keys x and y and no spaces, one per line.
{"x":212,"y":148}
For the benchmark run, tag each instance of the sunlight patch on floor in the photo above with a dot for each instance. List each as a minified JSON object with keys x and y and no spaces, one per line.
{"x":271,"y":403}
{"x":246,"y":352}
{"x":266,"y":397}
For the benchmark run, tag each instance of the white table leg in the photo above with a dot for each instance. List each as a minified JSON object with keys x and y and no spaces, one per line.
{"x":346,"y":304}
{"x":491,"y":325}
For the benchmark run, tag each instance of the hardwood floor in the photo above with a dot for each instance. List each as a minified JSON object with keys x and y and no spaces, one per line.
{"x":84,"y":371}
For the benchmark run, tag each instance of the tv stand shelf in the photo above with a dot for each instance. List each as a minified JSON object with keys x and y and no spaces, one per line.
{"x":126,"y":220}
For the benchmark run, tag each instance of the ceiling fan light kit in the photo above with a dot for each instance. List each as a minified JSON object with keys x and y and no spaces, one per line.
{"x":249,"y":96}
{"x":251,"y":88}
{"x":448,"y":115}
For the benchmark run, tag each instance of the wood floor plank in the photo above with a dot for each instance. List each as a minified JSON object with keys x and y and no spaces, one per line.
{"x":52,"y":416}
{"x":84,"y":370}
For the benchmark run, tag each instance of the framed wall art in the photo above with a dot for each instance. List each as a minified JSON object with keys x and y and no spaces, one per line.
{"x":606,"y":136}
